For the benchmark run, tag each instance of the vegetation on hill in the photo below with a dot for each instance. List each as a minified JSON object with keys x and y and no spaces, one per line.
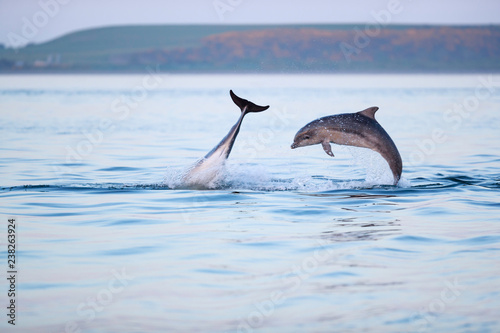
{"x":245,"y":48}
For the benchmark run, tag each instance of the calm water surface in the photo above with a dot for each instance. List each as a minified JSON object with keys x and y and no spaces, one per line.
{"x":288,"y":241}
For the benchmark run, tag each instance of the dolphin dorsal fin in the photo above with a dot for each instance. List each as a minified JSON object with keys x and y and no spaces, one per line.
{"x":370,"y":112}
{"x":242,"y":103}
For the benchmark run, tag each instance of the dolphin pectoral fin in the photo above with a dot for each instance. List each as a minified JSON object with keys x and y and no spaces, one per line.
{"x":327,"y":148}
{"x":242,"y":103}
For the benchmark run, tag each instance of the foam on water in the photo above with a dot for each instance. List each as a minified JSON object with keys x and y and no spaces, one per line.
{"x":234,"y":176}
{"x":254,"y":176}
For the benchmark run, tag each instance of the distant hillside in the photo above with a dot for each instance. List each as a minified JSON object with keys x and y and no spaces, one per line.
{"x":280,"y":48}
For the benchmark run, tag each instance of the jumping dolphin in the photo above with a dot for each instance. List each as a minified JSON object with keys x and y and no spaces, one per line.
{"x":208,"y":168}
{"x":358,"y":129}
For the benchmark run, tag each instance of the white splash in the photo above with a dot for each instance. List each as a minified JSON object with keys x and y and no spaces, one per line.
{"x":207,"y":176}
{"x":222,"y":174}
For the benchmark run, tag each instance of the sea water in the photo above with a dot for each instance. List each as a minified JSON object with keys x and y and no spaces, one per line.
{"x":108,"y":239}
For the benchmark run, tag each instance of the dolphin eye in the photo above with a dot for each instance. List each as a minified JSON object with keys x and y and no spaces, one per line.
{"x":306,"y":137}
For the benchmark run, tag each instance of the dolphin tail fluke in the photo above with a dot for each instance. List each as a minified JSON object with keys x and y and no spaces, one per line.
{"x":246,"y":106}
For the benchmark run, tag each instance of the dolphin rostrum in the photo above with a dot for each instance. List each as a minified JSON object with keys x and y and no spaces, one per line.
{"x":207,"y":169}
{"x":358,"y":129}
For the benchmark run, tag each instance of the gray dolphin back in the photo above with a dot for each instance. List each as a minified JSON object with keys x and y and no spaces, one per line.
{"x":373,"y":135}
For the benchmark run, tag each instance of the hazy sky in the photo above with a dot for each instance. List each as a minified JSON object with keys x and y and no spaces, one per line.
{"x":41,"y":20}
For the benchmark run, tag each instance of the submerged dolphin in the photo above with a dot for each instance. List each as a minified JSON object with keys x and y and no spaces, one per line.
{"x":208,"y":168}
{"x":358,"y":129}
